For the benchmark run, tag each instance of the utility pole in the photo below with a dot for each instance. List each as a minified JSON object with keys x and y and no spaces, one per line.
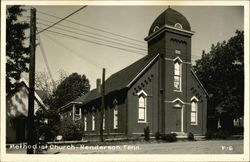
{"x":31,"y":135}
{"x":103,"y":104}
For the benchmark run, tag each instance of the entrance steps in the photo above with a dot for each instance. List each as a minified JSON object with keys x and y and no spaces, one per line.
{"x":181,"y":135}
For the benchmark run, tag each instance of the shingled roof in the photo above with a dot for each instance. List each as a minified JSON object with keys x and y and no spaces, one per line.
{"x":121,"y":79}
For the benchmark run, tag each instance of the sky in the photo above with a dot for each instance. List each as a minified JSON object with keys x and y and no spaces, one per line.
{"x":211,"y":24}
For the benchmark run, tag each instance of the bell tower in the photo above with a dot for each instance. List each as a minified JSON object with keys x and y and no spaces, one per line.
{"x":170,"y":37}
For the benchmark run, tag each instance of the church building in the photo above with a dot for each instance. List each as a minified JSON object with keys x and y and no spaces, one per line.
{"x":160,"y":90}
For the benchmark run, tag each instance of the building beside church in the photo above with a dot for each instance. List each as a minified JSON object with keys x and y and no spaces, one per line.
{"x":17,"y":112}
{"x":160,"y":90}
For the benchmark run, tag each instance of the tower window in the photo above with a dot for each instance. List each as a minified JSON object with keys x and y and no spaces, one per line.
{"x":178,"y":52}
{"x":178,"y":25}
{"x":156,"y":28}
{"x":177,"y":75}
{"x":142,"y":107}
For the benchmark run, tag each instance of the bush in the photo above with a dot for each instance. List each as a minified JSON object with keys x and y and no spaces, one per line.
{"x":209,"y":135}
{"x":222,"y":134}
{"x":71,"y":130}
{"x":219,"y":134}
{"x":146,"y":133}
{"x":157,"y":136}
{"x":190,"y":136}
{"x":238,"y":131}
{"x":169,"y":137}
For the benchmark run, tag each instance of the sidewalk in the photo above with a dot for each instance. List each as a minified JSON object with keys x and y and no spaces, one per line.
{"x":181,"y":147}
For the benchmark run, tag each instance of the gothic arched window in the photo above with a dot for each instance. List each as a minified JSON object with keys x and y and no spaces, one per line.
{"x":115,"y":114}
{"x":177,"y":75}
{"x":142,"y":106}
{"x":194,"y":111}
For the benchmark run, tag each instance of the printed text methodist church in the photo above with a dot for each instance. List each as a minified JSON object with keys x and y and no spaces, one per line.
{"x":159,"y":90}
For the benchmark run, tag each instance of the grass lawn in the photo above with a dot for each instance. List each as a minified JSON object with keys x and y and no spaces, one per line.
{"x":180,"y":147}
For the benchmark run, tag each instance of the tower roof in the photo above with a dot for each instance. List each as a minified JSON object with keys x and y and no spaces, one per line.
{"x":171,"y":18}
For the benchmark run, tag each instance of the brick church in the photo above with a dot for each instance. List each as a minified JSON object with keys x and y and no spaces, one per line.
{"x":160,"y":90}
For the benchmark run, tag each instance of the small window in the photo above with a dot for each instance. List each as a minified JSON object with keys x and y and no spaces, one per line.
{"x":93,"y":122}
{"x":85,"y":123}
{"x":194,"y":114}
{"x":178,"y":52}
{"x":156,"y":28}
{"x":178,"y":25}
{"x":116,"y":116}
{"x":77,"y":110}
{"x":142,"y":106}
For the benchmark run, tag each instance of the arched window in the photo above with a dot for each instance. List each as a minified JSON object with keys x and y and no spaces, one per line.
{"x":156,"y":28}
{"x":93,"y":121}
{"x":177,"y":75}
{"x":103,"y":124}
{"x":142,"y":106}
{"x":194,"y":111}
{"x":85,"y":123}
{"x":178,"y":25}
{"x":115,"y":115}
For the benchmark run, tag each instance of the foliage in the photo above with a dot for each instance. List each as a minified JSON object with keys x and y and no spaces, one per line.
{"x":16,"y":52}
{"x":69,"y":89}
{"x":50,"y":129}
{"x":157,"y":135}
{"x":169,"y":137}
{"x":238,"y":131}
{"x":219,"y":134}
{"x":190,"y":136}
{"x":71,"y":130}
{"x":221,"y":71}
{"x":146,"y":133}
{"x":209,"y":135}
{"x":43,"y":82}
{"x":222,"y":134}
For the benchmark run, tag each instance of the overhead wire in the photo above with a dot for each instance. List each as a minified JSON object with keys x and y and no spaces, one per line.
{"x":45,"y":60}
{"x":103,"y":44}
{"x":75,"y":53}
{"x":104,"y":36}
{"x":98,"y":43}
{"x":96,"y":38}
{"x":62,"y":19}
{"x":94,"y":28}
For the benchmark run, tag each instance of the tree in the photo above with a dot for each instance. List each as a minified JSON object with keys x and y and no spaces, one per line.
{"x":43,"y":82}
{"x":69,"y":89}
{"x":16,"y":52}
{"x":222,"y":73}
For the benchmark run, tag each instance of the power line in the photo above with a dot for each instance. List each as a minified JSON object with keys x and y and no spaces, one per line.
{"x":97,"y":38}
{"x":87,"y":26}
{"x":102,"y":44}
{"x":62,"y":19}
{"x":111,"y":46}
{"x":46,"y":61}
{"x":74,"y":52}
{"x":40,"y":19}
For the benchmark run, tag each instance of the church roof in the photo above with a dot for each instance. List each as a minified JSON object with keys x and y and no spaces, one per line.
{"x":121,"y":79}
{"x":170,"y":17}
